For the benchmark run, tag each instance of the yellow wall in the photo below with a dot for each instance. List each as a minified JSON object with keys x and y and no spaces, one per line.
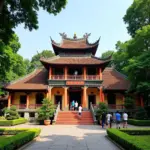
{"x":32,"y":97}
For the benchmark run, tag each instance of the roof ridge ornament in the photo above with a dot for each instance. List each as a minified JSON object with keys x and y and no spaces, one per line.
{"x":86,"y":35}
{"x":63,"y":35}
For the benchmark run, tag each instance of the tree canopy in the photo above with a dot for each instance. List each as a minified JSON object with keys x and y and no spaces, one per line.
{"x":137,"y":16}
{"x":14,"y":12}
{"x":35,"y":61}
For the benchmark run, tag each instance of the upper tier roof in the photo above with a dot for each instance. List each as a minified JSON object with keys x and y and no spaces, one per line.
{"x":74,"y":44}
{"x":89,"y":60}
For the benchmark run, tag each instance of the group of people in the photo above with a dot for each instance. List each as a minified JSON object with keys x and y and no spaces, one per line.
{"x":74,"y":106}
{"x":109,"y":118}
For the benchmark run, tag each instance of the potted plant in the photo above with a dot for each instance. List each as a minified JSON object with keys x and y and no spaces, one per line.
{"x":46,"y":111}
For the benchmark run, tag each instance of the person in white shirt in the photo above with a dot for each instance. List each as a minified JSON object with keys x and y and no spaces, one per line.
{"x":109,"y":119}
{"x":76,"y":105}
{"x":80,"y":110}
{"x":125,"y":120}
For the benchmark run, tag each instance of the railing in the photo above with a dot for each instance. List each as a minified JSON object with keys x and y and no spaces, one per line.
{"x":114,"y":106}
{"x":92,"y":77}
{"x":34,"y":106}
{"x":20,"y":106}
{"x":56,"y":113}
{"x":93,"y":113}
{"x":57,"y":77}
{"x":75,"y":77}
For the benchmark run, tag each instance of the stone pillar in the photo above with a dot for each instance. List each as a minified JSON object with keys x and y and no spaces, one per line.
{"x":50,"y":73}
{"x":27,"y":101}
{"x":100,"y":73}
{"x":84,"y":102}
{"x":66,"y":72}
{"x":9,"y":100}
{"x":84,"y":73}
{"x":65,"y":97}
{"x":26,"y":115}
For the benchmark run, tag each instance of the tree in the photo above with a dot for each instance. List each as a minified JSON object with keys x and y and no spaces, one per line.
{"x":137,"y":16}
{"x":35,"y":61}
{"x":12,"y":65}
{"x":107,"y":54}
{"x":14,"y":12}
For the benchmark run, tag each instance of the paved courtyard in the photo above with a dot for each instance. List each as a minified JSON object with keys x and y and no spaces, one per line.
{"x":71,"y":137}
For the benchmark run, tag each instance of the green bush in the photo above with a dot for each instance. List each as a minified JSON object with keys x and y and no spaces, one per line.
{"x":46,"y":110}
{"x":136,"y":131}
{"x":141,"y":114}
{"x":12,"y":122}
{"x":22,"y":137}
{"x":127,"y":141}
{"x":129,"y":102}
{"x":139,"y":122}
{"x":11,"y":113}
{"x":102,"y":107}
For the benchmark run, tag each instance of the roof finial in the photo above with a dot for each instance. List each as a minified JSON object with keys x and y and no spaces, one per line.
{"x":75,"y":36}
{"x":86,"y":35}
{"x":63,"y":35}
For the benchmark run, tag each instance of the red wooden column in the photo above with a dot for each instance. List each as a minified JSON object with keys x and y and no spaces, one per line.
{"x":66,"y":72}
{"x":9,"y":100}
{"x":84,"y":73}
{"x":27,"y":101}
{"x":49,"y":93}
{"x":101,"y":94}
{"x":50,"y":73}
{"x":65,"y":97}
{"x":141,"y":100}
{"x":84,"y":102}
{"x":100,"y":73}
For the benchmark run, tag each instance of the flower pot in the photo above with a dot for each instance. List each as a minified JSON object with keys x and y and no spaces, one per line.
{"x":46,"y":122}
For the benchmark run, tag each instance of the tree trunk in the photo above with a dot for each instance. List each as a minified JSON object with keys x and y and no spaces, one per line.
{"x":1,"y":5}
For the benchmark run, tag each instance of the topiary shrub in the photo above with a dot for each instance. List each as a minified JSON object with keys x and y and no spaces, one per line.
{"x":129,"y":102}
{"x":141,"y":114}
{"x":11,"y":114}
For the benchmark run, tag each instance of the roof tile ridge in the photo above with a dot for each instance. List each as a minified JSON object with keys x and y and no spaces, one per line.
{"x":121,"y":74}
{"x":24,"y":77}
{"x":51,"y":58}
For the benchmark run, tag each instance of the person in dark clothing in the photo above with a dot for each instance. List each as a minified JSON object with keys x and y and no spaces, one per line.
{"x":103,"y":118}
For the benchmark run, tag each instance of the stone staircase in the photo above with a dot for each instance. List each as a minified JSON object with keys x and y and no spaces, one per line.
{"x":72,"y":118}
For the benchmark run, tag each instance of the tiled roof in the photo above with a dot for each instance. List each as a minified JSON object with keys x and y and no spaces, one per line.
{"x":114,"y":80}
{"x":75,"y":43}
{"x":74,"y":60}
{"x":37,"y":80}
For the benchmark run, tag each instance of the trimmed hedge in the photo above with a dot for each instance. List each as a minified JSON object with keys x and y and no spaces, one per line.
{"x":137,"y":131}
{"x":127,"y":141}
{"x":139,"y":122}
{"x":12,"y":122}
{"x":22,"y":137}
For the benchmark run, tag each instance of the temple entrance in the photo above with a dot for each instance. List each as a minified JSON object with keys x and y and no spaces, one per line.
{"x":91,"y":99}
{"x":58,"y":98}
{"x":76,"y":96}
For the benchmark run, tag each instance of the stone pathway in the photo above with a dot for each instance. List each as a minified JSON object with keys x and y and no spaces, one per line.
{"x":71,"y":137}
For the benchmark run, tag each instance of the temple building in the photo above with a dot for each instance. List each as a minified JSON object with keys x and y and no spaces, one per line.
{"x":75,"y":73}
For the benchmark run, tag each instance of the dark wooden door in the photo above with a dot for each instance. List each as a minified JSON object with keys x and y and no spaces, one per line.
{"x":58,"y":98}
{"x":92,"y":99}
